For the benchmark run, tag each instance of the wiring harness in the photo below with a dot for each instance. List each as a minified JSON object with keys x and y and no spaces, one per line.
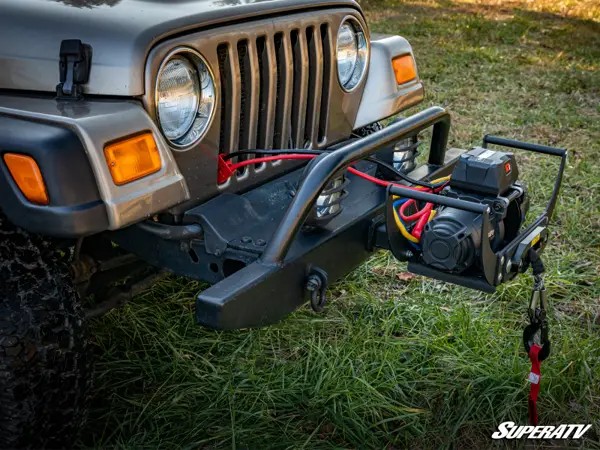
{"x":410,"y":216}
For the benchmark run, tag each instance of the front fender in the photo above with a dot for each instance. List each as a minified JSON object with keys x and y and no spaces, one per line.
{"x":76,"y":208}
{"x":67,"y":140}
{"x":382,"y":96}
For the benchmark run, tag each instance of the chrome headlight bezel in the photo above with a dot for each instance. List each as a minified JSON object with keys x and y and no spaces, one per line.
{"x":362,"y":50}
{"x":207,"y":97}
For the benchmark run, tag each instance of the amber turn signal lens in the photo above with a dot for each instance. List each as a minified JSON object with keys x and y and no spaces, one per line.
{"x":28,"y":177}
{"x":404,"y":68}
{"x":132,"y":158}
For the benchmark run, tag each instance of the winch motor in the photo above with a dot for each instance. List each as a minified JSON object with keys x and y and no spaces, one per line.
{"x":451,"y":241}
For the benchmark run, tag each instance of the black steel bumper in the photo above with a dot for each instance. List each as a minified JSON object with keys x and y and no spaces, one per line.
{"x":275,"y":283}
{"x":254,"y":246}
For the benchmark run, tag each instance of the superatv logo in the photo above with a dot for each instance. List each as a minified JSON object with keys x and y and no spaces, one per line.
{"x":509,"y":430}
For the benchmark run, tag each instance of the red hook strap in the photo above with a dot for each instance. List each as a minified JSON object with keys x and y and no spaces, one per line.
{"x":535,"y":377}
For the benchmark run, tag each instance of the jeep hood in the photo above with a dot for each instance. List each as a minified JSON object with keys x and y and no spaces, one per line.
{"x":121,"y":33}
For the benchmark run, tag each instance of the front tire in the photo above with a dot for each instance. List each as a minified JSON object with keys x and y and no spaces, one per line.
{"x":45,"y":364}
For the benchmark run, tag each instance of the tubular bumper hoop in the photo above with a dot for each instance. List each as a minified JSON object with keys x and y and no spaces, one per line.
{"x":333,"y":162}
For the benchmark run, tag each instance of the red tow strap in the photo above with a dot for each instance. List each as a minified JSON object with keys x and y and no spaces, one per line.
{"x":535,"y":377}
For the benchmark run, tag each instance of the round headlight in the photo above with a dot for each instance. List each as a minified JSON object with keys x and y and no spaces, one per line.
{"x":352,"y":54}
{"x":185,"y":98}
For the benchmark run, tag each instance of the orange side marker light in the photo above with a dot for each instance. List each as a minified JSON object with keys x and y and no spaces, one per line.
{"x":28,"y":177}
{"x":404,"y":68}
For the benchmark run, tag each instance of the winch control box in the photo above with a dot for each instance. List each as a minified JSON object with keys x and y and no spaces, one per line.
{"x":485,"y":171}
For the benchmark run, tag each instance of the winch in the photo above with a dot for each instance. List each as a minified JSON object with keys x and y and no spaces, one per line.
{"x":468,"y":229}
{"x":451,"y":240}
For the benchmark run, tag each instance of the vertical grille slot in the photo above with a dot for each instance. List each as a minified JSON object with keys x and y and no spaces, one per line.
{"x":255,"y":92}
{"x":300,"y":58}
{"x":315,"y":84}
{"x":226,"y":94}
{"x":230,"y":98}
{"x":261,"y":49}
{"x":268,"y":86}
{"x":327,"y":48}
{"x":246,"y":89}
{"x":250,"y":78}
{"x":285,"y":75}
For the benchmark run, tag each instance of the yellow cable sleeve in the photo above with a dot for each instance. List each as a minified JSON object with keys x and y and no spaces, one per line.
{"x":440,"y":180}
{"x":403,"y":229}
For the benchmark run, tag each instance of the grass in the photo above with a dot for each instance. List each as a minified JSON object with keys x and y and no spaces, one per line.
{"x":398,"y":361}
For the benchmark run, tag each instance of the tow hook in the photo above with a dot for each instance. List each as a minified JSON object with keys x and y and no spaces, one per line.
{"x":316,"y":284}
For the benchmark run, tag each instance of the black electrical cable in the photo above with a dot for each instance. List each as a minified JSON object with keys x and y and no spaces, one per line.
{"x":403,"y":176}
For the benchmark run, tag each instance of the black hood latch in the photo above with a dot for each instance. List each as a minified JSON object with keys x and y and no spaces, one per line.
{"x":75,"y":64}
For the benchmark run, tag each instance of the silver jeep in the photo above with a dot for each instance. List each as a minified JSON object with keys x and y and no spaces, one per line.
{"x":238,"y":142}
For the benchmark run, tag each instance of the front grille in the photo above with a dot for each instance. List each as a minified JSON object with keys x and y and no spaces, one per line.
{"x":275,"y":90}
